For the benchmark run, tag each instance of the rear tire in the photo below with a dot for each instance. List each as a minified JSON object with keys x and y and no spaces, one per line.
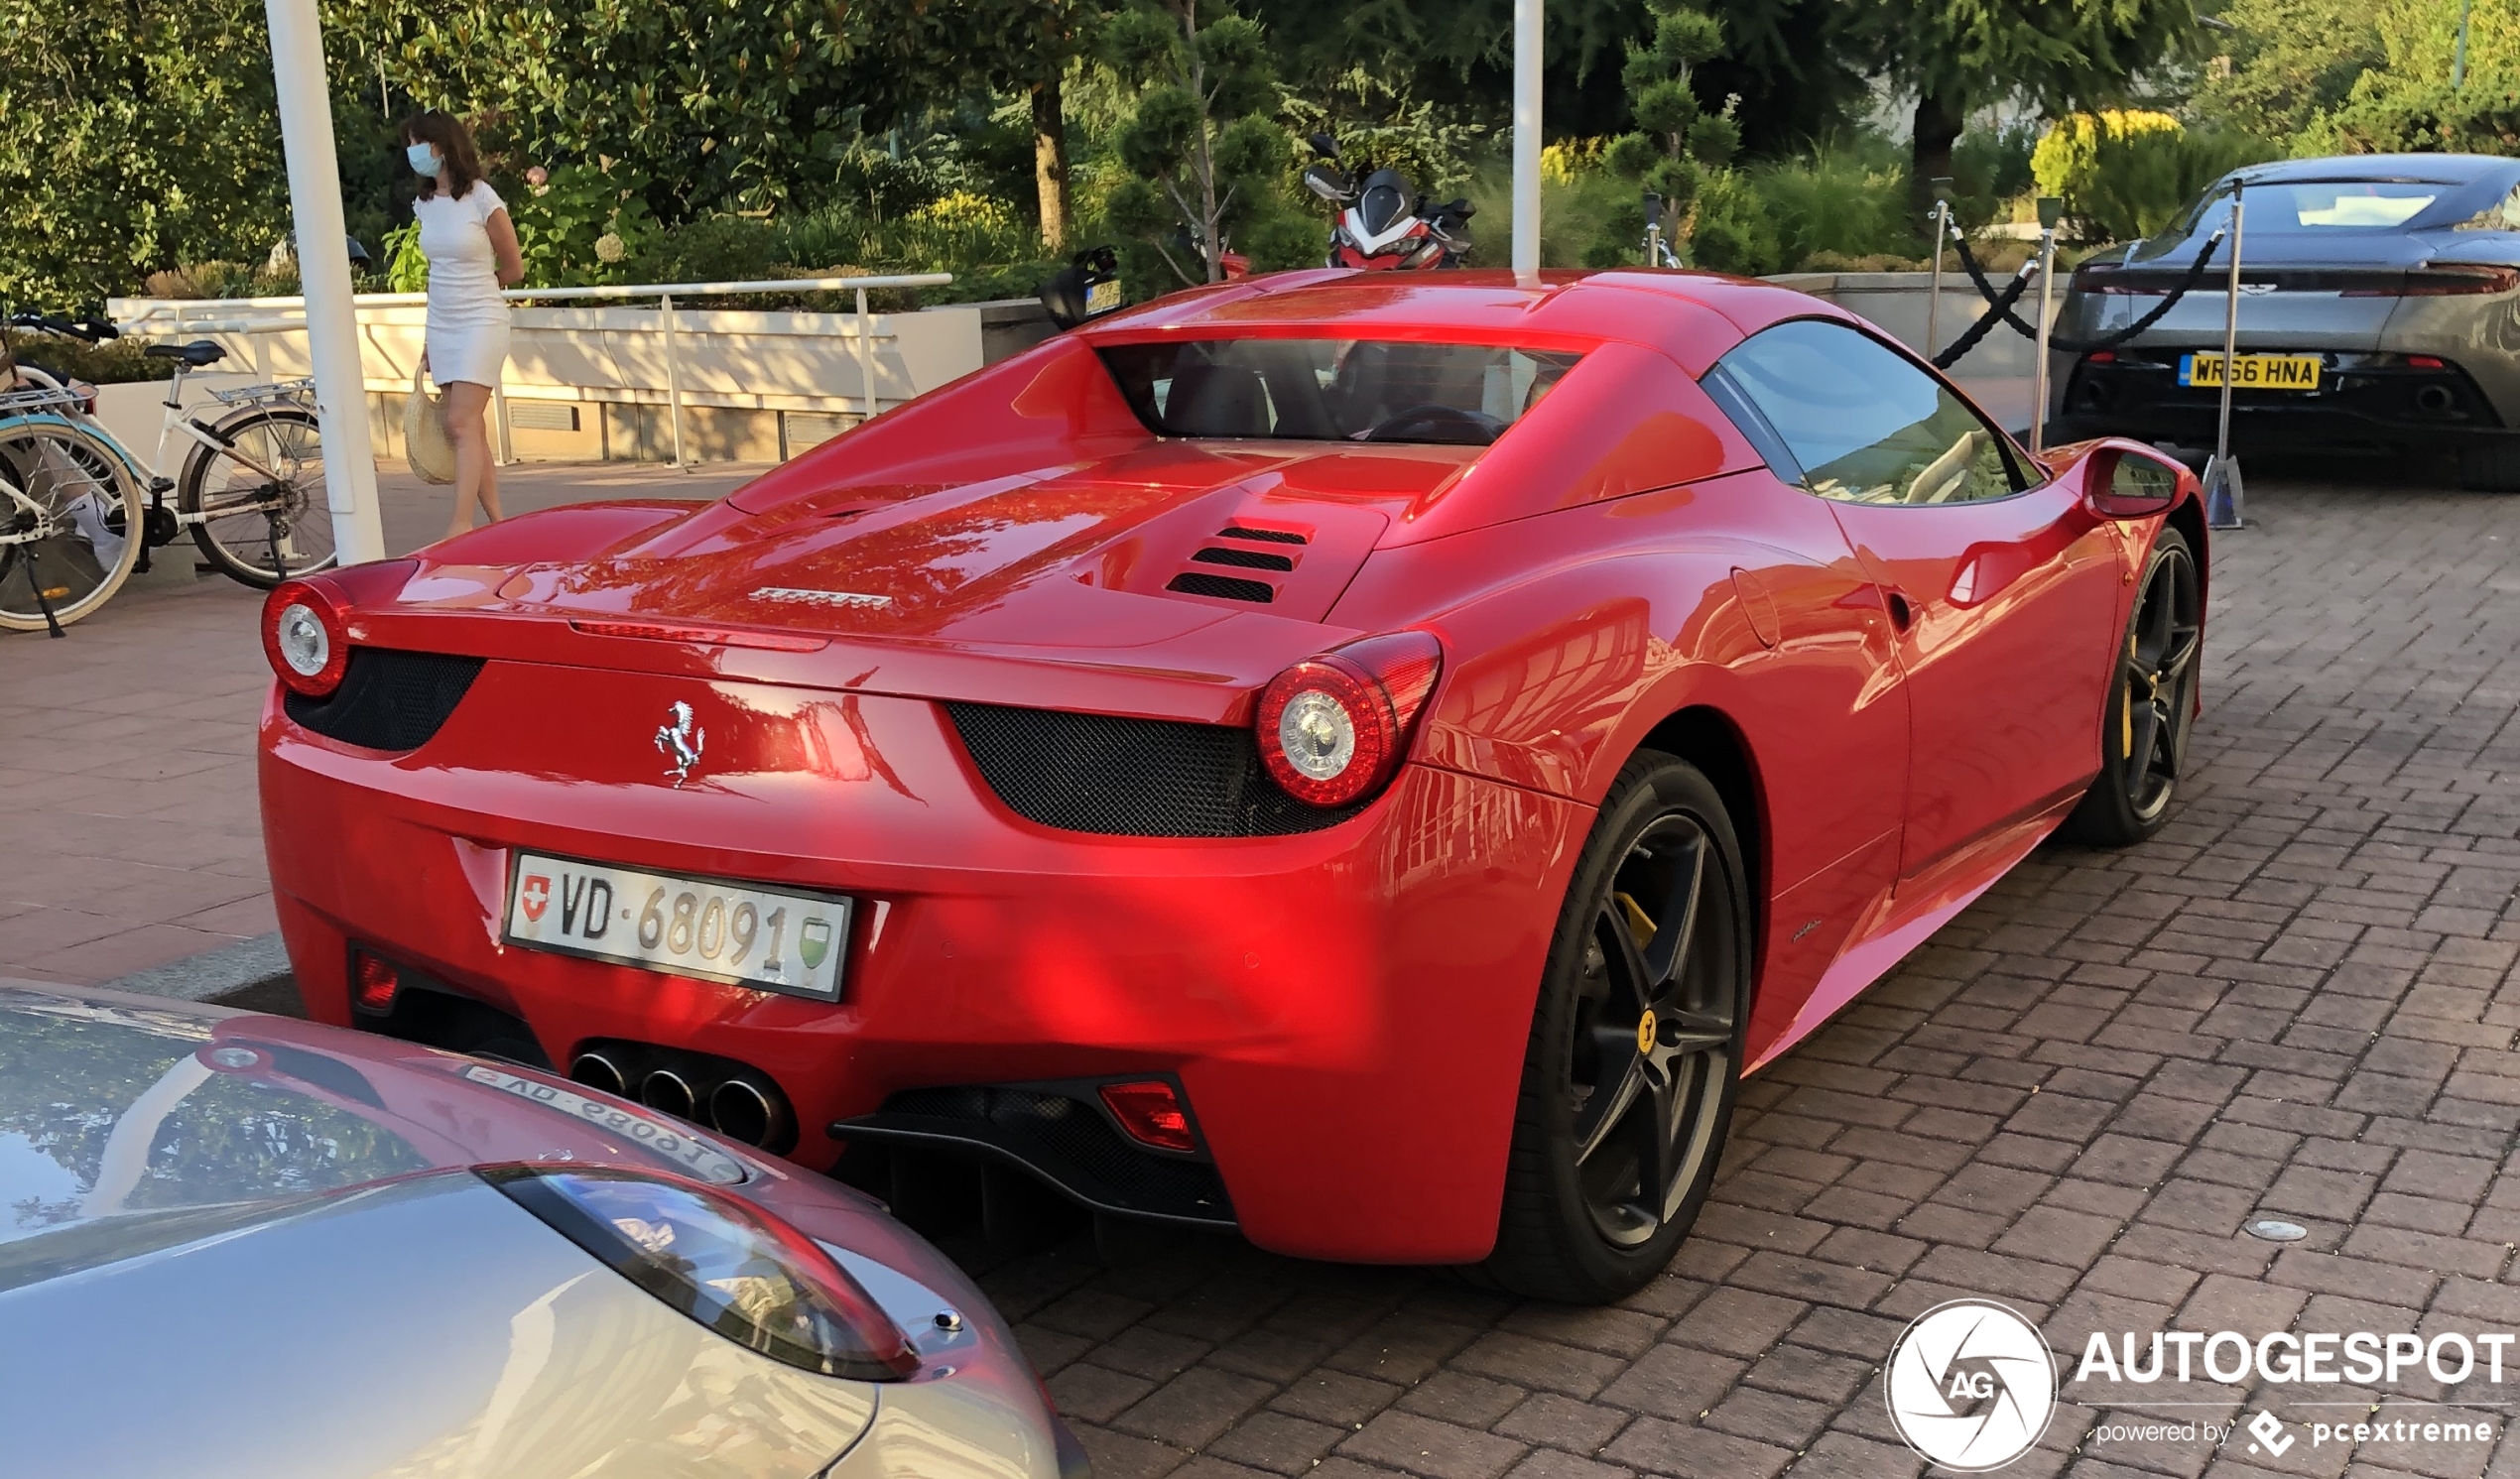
{"x":2152,"y":703}
{"x":249,"y":516}
{"x":1615,"y":1141}
{"x":72,"y":490}
{"x":2494,"y":467}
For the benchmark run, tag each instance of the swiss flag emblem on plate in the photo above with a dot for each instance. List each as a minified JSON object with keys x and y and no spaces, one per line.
{"x":536,"y":896}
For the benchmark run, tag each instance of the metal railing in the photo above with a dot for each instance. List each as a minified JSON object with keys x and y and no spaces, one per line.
{"x":169,"y":319}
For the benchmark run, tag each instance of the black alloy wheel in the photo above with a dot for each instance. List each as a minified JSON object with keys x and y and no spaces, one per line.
{"x":1635,"y":1048}
{"x":2152,"y":703}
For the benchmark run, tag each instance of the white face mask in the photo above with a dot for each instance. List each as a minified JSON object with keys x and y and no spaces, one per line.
{"x":423,"y":158}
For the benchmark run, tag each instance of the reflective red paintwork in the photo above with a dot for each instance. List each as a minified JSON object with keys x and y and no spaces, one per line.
{"x":1346,"y":1009}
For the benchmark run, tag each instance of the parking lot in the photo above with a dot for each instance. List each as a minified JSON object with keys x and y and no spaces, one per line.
{"x":2297,"y":1001}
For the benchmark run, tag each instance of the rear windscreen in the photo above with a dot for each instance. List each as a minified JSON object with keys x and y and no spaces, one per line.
{"x":2312,"y":206}
{"x":1333,"y":390}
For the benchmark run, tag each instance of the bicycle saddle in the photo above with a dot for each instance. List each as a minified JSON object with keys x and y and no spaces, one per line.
{"x":196,"y":354}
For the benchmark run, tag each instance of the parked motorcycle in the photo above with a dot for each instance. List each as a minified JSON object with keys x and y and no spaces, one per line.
{"x":1381,"y":222}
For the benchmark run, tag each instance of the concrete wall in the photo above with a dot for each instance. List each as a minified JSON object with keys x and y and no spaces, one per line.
{"x":590,"y":384}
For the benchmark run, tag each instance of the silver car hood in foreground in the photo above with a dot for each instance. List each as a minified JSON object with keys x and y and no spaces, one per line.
{"x":426,"y":1326}
{"x":241,"y":1246}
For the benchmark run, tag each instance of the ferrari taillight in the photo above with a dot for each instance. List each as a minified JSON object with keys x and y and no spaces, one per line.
{"x":1333,"y":728}
{"x":727,"y":1263}
{"x":307,"y":636}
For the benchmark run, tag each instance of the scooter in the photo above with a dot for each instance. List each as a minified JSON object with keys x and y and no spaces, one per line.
{"x":1381,"y":222}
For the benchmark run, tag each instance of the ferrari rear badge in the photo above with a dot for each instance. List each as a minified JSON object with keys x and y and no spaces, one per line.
{"x":801,"y":596}
{"x":679,"y":741}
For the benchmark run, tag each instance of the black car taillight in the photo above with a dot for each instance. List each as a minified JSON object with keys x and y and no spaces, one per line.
{"x":2443,"y":282}
{"x":726,"y":1263}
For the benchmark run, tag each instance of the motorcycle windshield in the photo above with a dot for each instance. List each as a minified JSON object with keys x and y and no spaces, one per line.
{"x":1384,"y":201}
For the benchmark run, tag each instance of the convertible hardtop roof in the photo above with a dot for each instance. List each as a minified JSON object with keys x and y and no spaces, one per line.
{"x":2435,"y":169}
{"x":1670,"y":310}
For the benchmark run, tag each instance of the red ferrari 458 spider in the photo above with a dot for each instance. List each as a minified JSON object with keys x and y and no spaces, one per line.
{"x":1370,"y":761}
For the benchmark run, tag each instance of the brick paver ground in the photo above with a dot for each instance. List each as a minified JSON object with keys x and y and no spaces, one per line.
{"x":127,"y":813}
{"x":2299,"y":1000}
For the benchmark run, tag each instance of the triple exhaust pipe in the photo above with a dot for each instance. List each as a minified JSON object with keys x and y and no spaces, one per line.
{"x":737,"y":1101}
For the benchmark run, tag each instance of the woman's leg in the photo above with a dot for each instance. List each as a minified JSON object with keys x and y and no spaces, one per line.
{"x":467,"y":427}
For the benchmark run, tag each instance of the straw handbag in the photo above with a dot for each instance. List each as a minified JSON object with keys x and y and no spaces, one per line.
{"x":424,"y":442}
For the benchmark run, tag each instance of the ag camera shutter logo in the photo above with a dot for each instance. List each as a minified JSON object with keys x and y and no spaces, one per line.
{"x":1970,"y":1385}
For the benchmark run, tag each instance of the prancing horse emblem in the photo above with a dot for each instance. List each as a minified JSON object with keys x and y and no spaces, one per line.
{"x":677,"y":741}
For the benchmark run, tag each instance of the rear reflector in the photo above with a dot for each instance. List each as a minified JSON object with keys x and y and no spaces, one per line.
{"x":2424,"y":362}
{"x":373,"y":983}
{"x":657,"y":631}
{"x":1151,"y":1114}
{"x":2101,"y":357}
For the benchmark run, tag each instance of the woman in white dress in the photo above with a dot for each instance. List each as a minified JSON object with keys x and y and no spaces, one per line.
{"x":470,"y":244}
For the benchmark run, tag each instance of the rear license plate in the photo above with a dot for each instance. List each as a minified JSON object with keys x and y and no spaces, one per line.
{"x":776,"y":940}
{"x":2256,"y":371}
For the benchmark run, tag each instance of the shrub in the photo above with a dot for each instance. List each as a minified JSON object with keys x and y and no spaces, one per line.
{"x":2125,"y":174}
{"x":115,"y":362}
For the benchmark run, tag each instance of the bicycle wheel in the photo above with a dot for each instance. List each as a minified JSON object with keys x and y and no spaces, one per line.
{"x":269,"y":515}
{"x":68,"y":517}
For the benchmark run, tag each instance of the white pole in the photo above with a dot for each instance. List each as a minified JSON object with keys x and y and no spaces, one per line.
{"x":673,"y":382}
{"x":323,"y":267}
{"x":866,"y":355}
{"x":1527,"y":138}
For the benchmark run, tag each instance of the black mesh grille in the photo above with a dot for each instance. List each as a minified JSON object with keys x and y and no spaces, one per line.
{"x":1269,"y":536}
{"x":1067,"y":1139}
{"x":388,"y":700}
{"x":1225,"y":587}
{"x":1131,"y":778}
{"x":1249,"y":559}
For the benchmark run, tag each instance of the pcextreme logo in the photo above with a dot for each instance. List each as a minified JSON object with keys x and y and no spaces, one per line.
{"x":1970,"y":1385}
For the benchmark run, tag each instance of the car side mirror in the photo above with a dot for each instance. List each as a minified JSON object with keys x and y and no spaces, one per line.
{"x":1324,"y":144}
{"x":2127,"y":485}
{"x":1327,"y":183}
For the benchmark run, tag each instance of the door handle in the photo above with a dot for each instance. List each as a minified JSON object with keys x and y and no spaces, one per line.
{"x":1901,"y":613}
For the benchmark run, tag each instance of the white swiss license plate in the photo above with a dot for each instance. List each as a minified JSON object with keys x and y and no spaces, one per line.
{"x":773,"y":939}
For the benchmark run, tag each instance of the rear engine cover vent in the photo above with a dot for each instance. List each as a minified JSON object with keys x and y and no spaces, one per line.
{"x":1222,"y":587}
{"x":1249,"y":559}
{"x":1196,"y":583}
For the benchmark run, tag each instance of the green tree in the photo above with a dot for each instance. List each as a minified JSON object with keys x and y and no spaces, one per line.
{"x":1201,"y":155}
{"x":1680,"y":148}
{"x":2404,"y":101}
{"x":2291,"y":61}
{"x":723,"y":106}
{"x":134,"y":136}
{"x":1957,"y":55}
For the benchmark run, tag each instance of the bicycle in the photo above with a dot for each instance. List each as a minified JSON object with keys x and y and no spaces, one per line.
{"x":66,"y":511}
{"x":251,"y":487}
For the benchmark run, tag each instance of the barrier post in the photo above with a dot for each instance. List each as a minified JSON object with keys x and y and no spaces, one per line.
{"x":1933,"y":291}
{"x":2051,"y":212}
{"x":2223,"y":487}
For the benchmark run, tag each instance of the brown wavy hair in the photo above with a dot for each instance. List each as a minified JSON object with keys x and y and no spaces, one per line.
{"x":453,"y":143}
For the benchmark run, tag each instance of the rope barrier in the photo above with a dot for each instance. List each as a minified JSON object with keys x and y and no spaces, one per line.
{"x":1998,"y":309}
{"x":1999,"y":306}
